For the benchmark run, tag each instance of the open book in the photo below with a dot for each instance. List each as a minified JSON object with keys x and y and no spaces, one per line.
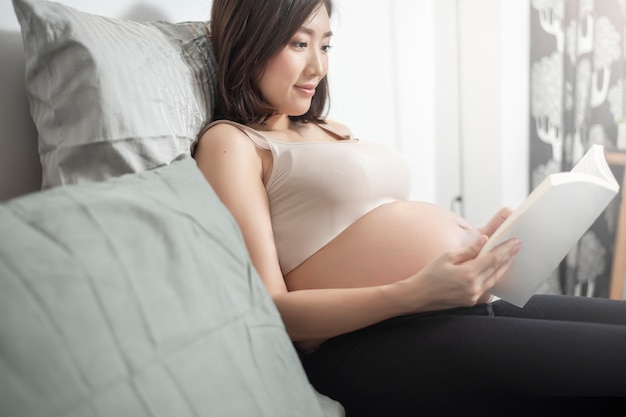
{"x":550,"y":222}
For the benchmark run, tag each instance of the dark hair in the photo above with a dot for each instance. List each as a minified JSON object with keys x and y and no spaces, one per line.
{"x":245,"y":35}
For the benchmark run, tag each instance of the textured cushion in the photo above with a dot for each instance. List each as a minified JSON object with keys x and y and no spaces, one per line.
{"x":135,"y":296}
{"x":111,"y":96}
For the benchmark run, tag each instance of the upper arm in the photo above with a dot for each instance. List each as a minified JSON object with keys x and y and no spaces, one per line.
{"x":233,"y":165}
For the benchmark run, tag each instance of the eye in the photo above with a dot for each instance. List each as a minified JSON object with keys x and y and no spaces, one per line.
{"x":300,"y":45}
{"x":326,"y":48}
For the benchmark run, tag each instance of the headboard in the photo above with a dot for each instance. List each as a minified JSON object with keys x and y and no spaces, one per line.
{"x":20,"y":170}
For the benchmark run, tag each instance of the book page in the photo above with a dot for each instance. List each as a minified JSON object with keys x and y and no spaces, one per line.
{"x":594,"y":163}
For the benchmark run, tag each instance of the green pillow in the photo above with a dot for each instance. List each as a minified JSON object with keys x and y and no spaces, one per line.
{"x":136,"y":296}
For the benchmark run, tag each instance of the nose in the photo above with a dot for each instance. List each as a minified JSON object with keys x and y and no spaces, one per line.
{"x":317,"y":62}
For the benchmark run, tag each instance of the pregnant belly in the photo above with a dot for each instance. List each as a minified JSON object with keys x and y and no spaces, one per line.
{"x":387,"y":244}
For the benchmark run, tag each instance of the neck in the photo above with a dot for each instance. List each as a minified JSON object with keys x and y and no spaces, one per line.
{"x":278,"y":122}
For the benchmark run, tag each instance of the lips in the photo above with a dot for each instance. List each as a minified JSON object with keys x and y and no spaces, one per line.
{"x":308,"y":89}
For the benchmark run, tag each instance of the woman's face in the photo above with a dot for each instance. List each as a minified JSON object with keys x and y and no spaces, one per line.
{"x":290,"y":77}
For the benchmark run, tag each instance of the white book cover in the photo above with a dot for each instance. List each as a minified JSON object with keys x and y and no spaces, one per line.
{"x":550,"y":222}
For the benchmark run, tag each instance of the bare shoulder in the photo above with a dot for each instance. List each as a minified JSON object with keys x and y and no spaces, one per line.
{"x":338,"y":127}
{"x":223,"y":133}
{"x":222,"y":138}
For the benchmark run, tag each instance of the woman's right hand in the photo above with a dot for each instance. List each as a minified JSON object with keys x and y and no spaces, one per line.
{"x":459,"y":278}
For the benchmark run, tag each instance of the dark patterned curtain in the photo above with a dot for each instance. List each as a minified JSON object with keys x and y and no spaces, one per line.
{"x":577,"y":99}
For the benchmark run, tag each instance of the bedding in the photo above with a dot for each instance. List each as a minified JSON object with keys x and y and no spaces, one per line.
{"x":135,"y":296}
{"x":112,"y":96}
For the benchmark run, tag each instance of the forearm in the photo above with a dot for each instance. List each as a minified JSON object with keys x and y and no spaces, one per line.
{"x":324,"y":313}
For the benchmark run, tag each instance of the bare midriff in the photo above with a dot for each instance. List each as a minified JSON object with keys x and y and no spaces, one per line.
{"x":388,"y":244}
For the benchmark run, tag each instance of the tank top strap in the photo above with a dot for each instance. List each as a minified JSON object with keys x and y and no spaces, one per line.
{"x":335,"y":132}
{"x":255,"y":136}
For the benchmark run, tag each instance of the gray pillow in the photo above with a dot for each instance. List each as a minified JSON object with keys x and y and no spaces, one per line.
{"x":112,"y":96}
{"x":136,"y":297}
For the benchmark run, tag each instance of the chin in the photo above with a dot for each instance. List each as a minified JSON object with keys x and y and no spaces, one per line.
{"x":299,"y":110}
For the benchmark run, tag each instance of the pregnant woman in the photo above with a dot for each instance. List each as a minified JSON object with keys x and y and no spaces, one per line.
{"x":386,"y":300}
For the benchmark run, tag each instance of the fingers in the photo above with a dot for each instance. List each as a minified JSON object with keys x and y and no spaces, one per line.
{"x":496,"y":221}
{"x":504,"y":212}
{"x":483,"y":272}
{"x":467,"y":253}
{"x":498,"y":261}
{"x":492,"y":280}
{"x":497,"y":255}
{"x":464,"y":277}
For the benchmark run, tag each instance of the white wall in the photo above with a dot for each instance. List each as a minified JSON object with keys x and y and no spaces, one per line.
{"x":495,"y":97}
{"x":487,"y":121}
{"x":515,"y":65}
{"x":448,"y":166}
{"x":394,"y":79}
{"x":481,"y":106}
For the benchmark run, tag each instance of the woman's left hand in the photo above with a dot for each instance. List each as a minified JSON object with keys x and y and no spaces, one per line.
{"x":496,"y":221}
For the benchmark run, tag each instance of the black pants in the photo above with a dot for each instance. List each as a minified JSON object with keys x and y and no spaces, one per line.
{"x":434,"y":363}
